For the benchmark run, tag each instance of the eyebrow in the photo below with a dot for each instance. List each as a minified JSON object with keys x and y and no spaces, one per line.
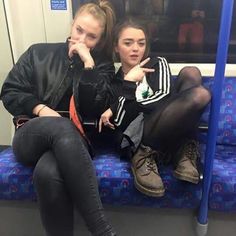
{"x":130,"y":39}
{"x":88,"y":33}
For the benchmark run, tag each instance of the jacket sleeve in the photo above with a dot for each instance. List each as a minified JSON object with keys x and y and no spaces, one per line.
{"x":124,"y":101}
{"x":164,"y":82}
{"x":94,"y":89}
{"x":126,"y":104}
{"x":17,"y":91}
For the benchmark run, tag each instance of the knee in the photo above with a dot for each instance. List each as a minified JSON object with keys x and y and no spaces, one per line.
{"x":190,"y":73}
{"x":201,"y":97}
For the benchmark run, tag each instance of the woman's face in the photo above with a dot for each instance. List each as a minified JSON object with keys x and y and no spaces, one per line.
{"x":86,"y":29}
{"x":131,"y":46}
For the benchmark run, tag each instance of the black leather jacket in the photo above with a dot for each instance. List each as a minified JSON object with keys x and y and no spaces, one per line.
{"x":44,"y":73}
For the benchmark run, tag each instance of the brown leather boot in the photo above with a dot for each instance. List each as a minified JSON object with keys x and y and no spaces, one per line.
{"x":188,"y":156}
{"x":146,"y":176}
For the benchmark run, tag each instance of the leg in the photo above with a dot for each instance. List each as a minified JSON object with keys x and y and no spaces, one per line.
{"x":187,"y":78}
{"x":74,"y":163}
{"x":179,"y":116}
{"x":177,"y":121}
{"x":56,"y":206}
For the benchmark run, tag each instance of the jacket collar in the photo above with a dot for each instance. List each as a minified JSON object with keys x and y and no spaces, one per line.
{"x":120,"y":74}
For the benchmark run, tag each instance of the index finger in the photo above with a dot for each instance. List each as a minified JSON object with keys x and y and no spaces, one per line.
{"x":142,"y":63}
{"x":72,"y":40}
{"x":100,"y":126}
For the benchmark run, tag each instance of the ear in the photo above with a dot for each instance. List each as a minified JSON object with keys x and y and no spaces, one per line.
{"x":116,"y":49}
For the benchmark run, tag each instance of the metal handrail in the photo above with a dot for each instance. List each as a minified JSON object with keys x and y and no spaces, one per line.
{"x":221,"y":59}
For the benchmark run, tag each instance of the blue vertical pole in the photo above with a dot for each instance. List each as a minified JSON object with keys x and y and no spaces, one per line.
{"x":221,"y":59}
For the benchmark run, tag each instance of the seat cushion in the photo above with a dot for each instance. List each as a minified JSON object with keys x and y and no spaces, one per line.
{"x":116,"y":186}
{"x":222,"y":195}
{"x":115,"y":183}
{"x":15,"y":179}
{"x":227,"y":120}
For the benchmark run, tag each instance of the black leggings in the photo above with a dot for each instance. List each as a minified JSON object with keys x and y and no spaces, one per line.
{"x":177,"y":117}
{"x":64,"y":176}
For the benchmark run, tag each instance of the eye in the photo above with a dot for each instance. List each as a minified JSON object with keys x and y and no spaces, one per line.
{"x":127,"y":43}
{"x":79,"y":30}
{"x":142,"y":44}
{"x":92,"y":37}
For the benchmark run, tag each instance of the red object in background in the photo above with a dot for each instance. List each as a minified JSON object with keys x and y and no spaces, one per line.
{"x":191,"y":34}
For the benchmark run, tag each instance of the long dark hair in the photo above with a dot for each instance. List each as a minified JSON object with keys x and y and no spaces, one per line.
{"x":129,"y":22}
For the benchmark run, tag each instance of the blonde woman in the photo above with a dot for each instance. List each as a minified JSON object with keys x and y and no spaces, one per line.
{"x":39,"y":87}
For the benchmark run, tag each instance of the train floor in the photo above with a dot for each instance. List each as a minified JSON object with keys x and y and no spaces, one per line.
{"x":22,"y":219}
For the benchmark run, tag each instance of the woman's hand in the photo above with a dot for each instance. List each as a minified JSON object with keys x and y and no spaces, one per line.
{"x":43,"y":110}
{"x":137,"y":73}
{"x":83,"y":51}
{"x":105,"y":120}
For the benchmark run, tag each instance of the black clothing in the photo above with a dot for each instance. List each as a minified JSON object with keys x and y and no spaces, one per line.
{"x":64,"y":176}
{"x":44,"y":73}
{"x":170,"y":114}
{"x":125,"y":106}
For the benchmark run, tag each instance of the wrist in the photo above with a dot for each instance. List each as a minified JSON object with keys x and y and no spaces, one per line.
{"x":89,"y":64}
{"x":38,"y":109}
{"x":127,"y":78}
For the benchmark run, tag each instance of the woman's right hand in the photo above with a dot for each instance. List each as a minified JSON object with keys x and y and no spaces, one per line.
{"x":83,"y":51}
{"x":43,"y":110}
{"x":137,"y":73}
{"x":105,"y":120}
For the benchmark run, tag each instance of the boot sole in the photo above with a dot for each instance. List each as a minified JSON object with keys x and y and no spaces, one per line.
{"x":146,"y":191}
{"x":187,"y":178}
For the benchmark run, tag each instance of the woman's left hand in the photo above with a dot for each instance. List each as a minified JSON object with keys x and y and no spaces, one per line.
{"x":137,"y":73}
{"x":105,"y":120}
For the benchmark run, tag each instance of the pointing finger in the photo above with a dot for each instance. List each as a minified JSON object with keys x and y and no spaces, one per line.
{"x":148,"y":70}
{"x":144,"y":61}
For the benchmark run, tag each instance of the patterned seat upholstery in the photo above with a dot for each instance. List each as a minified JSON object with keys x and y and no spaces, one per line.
{"x":223,"y":187}
{"x":116,"y":181}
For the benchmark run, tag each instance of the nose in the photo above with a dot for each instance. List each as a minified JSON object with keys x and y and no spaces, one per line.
{"x":82,"y":38}
{"x":135,"y":47}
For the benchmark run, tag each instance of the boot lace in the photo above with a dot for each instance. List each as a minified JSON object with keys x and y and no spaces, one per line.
{"x":191,"y":152}
{"x":148,"y":160}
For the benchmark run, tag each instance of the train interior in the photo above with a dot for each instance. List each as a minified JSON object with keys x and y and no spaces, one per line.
{"x":186,"y":32}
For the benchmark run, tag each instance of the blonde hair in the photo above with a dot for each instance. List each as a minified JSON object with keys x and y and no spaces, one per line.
{"x":103,"y":12}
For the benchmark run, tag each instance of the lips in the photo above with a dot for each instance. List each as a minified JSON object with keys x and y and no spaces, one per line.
{"x":134,"y":57}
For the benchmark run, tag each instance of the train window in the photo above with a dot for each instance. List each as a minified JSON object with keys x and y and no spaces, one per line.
{"x":183,"y":31}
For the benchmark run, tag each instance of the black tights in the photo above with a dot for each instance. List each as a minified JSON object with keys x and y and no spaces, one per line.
{"x":64,"y":176}
{"x":178,"y":116}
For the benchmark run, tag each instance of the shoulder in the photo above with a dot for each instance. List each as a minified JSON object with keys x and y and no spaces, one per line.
{"x":46,"y":48}
{"x":101,"y":58}
{"x":39,"y":46}
{"x":158,"y":60}
{"x":159,"y":64}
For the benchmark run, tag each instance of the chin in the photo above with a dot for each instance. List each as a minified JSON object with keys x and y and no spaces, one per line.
{"x":134,"y":63}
